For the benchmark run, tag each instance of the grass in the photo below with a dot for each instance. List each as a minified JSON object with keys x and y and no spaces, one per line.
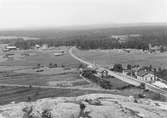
{"x":15,"y":71}
{"x":117,"y":83}
{"x":18,"y":94}
{"x":11,"y":73}
{"x":43,"y":57}
{"x":110,"y":57}
{"x":38,"y":79}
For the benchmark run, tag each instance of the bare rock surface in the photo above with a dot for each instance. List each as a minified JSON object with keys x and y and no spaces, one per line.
{"x":86,"y":106}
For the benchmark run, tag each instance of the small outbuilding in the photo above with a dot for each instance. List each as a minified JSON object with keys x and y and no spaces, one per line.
{"x":8,"y":48}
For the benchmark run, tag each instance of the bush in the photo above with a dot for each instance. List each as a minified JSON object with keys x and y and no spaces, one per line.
{"x":142,"y":85}
{"x":118,"y":68}
{"x":46,"y":114}
{"x":141,"y":95}
{"x":157,"y":96}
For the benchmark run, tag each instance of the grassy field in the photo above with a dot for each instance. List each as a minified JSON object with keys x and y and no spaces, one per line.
{"x":18,"y":94}
{"x":65,"y":79}
{"x":117,"y":83}
{"x":43,"y":57}
{"x":110,"y":57}
{"x":19,"y":70}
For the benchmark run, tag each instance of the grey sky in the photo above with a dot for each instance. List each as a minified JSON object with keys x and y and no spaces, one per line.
{"x":56,"y":13}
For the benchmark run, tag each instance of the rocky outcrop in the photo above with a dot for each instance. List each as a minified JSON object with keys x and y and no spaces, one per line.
{"x":86,"y":106}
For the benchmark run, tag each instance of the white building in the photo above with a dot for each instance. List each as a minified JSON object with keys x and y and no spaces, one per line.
{"x":44,"y":46}
{"x":37,"y":46}
{"x":8,"y":48}
{"x":160,"y":84}
{"x":146,"y":76}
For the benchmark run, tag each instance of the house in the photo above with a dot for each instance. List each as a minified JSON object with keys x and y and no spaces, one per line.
{"x":127,"y":72}
{"x":44,"y":46}
{"x":37,"y":46}
{"x":101,"y":73}
{"x":120,"y":38}
{"x":59,"y":53}
{"x":9,"y":48}
{"x":154,"y":48}
{"x":146,"y":76}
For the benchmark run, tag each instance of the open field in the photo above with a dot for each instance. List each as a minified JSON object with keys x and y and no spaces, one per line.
{"x":43,"y":57}
{"x":18,"y":94}
{"x":117,"y":83}
{"x":62,"y":79}
{"x":110,"y":57}
{"x":22,"y":69}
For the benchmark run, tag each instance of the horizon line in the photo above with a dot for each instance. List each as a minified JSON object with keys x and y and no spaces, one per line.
{"x":87,"y":26}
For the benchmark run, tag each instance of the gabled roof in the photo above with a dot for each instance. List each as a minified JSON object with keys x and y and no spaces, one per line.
{"x":143,"y":73}
{"x":10,"y":47}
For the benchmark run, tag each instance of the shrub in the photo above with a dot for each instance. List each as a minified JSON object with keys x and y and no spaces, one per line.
{"x":142,"y":85}
{"x":46,"y":114}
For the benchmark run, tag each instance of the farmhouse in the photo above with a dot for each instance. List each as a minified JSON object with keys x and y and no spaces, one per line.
{"x":127,"y":72}
{"x":44,"y":46}
{"x":37,"y":46}
{"x":154,"y":48}
{"x":125,"y":37}
{"x":8,"y":48}
{"x":120,"y":38}
{"x":59,"y":53}
{"x":146,"y":76}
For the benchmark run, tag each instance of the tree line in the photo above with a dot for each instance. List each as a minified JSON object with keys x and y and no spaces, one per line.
{"x":84,"y":43}
{"x":96,"y":41}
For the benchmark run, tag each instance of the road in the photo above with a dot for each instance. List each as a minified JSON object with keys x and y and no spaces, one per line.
{"x":125,"y":78}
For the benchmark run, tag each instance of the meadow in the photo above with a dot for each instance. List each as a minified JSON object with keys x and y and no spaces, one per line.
{"x":20,"y":70}
{"x":43,"y":57}
{"x":23,"y":69}
{"x":118,"y":56}
{"x":19,"y":94}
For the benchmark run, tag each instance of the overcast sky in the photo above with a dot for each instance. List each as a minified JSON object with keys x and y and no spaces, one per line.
{"x":56,"y":13}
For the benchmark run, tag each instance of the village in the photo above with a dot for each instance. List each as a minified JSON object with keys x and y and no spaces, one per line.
{"x":142,"y":73}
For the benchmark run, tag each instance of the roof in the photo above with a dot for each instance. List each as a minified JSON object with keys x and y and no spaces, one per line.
{"x":143,"y":73}
{"x":126,"y":70}
{"x":10,"y":47}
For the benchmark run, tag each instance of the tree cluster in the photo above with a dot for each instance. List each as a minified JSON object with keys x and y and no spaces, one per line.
{"x":89,"y":74}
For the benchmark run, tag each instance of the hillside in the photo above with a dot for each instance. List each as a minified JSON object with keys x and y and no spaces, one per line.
{"x":86,"y":106}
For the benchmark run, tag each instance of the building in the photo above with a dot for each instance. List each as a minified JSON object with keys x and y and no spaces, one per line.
{"x":123,"y":38}
{"x":37,"y":46}
{"x":154,"y":48}
{"x":146,"y":76}
{"x":44,"y":46}
{"x":127,"y":72}
{"x":9,"y":48}
{"x":120,"y":38}
{"x":59,"y":53}
{"x":160,"y":84}
{"x":101,"y":72}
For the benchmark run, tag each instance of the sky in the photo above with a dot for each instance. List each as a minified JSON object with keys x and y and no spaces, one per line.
{"x":58,"y":13}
